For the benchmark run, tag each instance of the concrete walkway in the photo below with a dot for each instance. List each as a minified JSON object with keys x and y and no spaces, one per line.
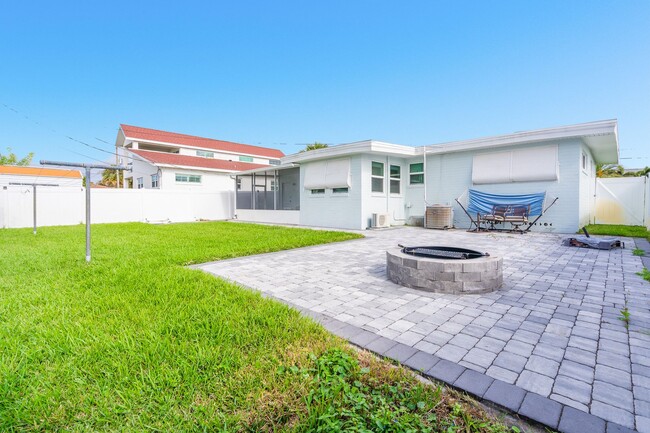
{"x":549,"y":345}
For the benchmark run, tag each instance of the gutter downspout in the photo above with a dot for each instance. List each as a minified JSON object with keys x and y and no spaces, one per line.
{"x":388,"y":185}
{"x":234,"y":199}
{"x":424,"y":171}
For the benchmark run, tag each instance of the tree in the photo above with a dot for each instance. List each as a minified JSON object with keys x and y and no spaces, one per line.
{"x":109,"y":178}
{"x":11,"y":159}
{"x":314,"y":146}
{"x":616,"y":170}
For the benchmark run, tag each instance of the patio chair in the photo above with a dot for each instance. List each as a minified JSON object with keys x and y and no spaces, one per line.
{"x":498,"y":215}
{"x":517,"y":217}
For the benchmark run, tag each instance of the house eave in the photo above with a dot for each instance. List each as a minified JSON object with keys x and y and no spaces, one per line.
{"x":366,"y":146}
{"x":193,"y":168}
{"x":600,"y":136}
{"x":124,"y":140}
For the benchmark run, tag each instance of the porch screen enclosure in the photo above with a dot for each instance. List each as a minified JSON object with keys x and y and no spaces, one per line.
{"x":269,"y":190}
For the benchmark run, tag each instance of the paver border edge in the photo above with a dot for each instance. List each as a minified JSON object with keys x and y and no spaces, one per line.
{"x":544,"y":417}
{"x":478,"y":385}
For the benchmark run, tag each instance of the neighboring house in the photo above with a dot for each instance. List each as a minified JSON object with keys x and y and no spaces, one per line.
{"x":343,"y":186}
{"x":167,"y":160}
{"x":11,"y":175}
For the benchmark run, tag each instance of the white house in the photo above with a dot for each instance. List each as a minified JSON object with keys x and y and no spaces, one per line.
{"x":11,"y":175}
{"x":343,"y":186}
{"x":168,"y":160}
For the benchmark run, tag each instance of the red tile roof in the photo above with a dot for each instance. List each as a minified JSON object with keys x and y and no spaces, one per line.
{"x":195,"y":161}
{"x":146,"y":134}
{"x":39,"y":171}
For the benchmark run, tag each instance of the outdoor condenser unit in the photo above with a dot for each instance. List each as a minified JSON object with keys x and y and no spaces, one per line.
{"x":439,"y":216}
{"x":380,"y":220}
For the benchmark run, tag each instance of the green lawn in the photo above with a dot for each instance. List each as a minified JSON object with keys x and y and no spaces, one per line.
{"x":618,"y":230}
{"x":137,"y":342}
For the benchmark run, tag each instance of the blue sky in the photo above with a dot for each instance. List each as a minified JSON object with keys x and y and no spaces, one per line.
{"x":282,"y":74}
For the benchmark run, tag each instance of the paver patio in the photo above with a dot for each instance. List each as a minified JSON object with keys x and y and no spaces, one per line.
{"x":551,"y":335}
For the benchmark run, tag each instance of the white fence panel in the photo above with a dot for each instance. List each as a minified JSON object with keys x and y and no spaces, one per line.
{"x":54,"y":206}
{"x":647,"y":203}
{"x":66,"y":206}
{"x":621,"y":200}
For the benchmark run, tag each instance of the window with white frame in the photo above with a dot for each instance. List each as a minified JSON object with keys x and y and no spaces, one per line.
{"x":377,"y":177}
{"x":205,"y":154}
{"x":318,"y":191}
{"x":340,"y":190}
{"x":395,"y":179}
{"x":140,"y":182}
{"x":416,"y":173}
{"x":188,"y":178}
{"x":584,"y":161}
{"x":246,"y":159}
{"x":274,"y":162}
{"x":154,"y":181}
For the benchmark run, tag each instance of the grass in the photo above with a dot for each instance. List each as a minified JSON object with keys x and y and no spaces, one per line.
{"x":135,"y":341}
{"x":638,"y":252}
{"x":645,"y":274}
{"x":618,"y":230}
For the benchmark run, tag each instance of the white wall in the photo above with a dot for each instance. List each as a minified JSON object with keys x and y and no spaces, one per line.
{"x":210,"y":180}
{"x":450,"y":175}
{"x":141,"y":169}
{"x":224,"y":156}
{"x":54,"y":206}
{"x":333,"y":210}
{"x":647,"y":202}
{"x":269,"y":216}
{"x":587,"y":187}
{"x":621,"y":200}
{"x":68,"y":182}
{"x":66,"y":206}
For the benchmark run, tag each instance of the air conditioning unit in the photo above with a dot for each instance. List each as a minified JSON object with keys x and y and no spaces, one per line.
{"x":380,"y":220}
{"x":439,"y":217}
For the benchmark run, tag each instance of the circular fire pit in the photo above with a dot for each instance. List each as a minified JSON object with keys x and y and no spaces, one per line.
{"x":444,"y":269}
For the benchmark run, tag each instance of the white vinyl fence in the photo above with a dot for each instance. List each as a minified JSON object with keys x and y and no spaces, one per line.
{"x":623,"y":200}
{"x":66,"y":206}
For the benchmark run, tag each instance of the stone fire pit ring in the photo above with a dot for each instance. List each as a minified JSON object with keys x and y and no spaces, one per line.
{"x":439,"y":275}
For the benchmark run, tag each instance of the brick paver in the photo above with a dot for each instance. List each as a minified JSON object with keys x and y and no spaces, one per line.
{"x":552,"y":330}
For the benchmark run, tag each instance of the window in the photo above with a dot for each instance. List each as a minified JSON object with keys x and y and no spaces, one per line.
{"x":205,"y":154}
{"x":318,"y":191}
{"x":340,"y":190}
{"x":239,"y":184}
{"x":140,"y":182}
{"x":246,"y":159}
{"x":274,"y":162}
{"x":377,"y":176}
{"x":584,"y":161}
{"x":189,"y":178}
{"x":154,"y":181}
{"x":395,"y":179}
{"x":416,"y":173}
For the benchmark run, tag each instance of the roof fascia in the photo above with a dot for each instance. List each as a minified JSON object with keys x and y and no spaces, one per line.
{"x":367,"y":146}
{"x":165,"y":143}
{"x":603,"y":127}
